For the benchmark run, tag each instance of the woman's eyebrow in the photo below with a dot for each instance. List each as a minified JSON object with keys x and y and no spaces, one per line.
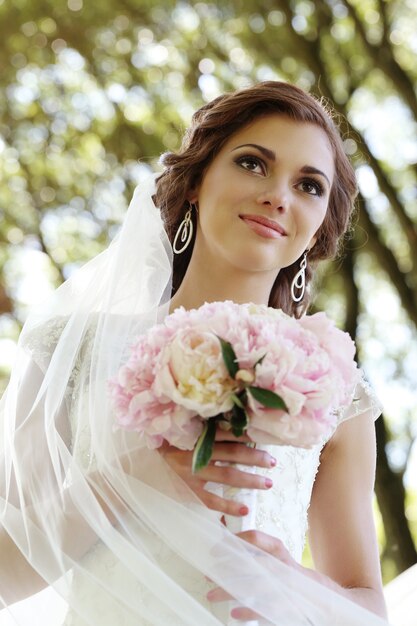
{"x":308,"y":169}
{"x":270,"y":154}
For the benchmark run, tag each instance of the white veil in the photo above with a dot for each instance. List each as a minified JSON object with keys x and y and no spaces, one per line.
{"x":73,"y":489}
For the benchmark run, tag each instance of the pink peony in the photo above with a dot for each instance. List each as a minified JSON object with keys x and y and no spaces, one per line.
{"x":176,"y":377}
{"x":193,"y":374}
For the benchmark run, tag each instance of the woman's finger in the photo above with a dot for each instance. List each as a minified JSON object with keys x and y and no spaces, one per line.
{"x":230,"y":452}
{"x":270,"y":544}
{"x":240,"y":613}
{"x":223,"y":505}
{"x":243,"y":614}
{"x":218,"y":595}
{"x":235,"y":477}
{"x":238,"y":453}
{"x":227,"y":435}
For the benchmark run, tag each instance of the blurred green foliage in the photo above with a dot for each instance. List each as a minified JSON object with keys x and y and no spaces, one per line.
{"x":92,"y":93}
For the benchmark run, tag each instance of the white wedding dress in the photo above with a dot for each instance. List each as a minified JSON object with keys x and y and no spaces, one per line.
{"x":280,"y":511}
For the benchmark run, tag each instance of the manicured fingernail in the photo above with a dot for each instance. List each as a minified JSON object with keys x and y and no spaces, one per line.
{"x":273,"y":461}
{"x":243,"y":510}
{"x":268,"y":482}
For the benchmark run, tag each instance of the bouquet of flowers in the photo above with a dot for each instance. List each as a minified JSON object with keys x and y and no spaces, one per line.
{"x":249,"y":368}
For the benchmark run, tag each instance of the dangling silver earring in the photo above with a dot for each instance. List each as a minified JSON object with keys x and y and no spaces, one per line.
{"x":299,"y":280}
{"x":184,"y":232}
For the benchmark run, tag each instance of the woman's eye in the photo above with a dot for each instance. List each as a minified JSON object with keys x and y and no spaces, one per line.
{"x":251,"y":163}
{"x":312,"y":187}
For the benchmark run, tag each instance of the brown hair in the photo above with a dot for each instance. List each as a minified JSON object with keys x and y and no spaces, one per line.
{"x":212,"y":125}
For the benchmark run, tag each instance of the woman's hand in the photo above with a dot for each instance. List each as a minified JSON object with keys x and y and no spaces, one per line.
{"x":229,"y":449}
{"x":276,"y":548}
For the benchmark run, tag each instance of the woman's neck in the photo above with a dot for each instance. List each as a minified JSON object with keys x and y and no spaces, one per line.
{"x":195,"y":291}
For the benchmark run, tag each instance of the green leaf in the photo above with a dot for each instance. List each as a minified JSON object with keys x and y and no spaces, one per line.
{"x":237,"y":401}
{"x":268,"y":398}
{"x":204,"y":446}
{"x":239,"y":421}
{"x":229,"y":357}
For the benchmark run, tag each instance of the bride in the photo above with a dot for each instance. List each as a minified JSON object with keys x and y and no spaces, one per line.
{"x":258,"y":194}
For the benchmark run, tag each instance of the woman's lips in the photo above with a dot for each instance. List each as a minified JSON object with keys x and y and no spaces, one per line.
{"x":264,"y":226}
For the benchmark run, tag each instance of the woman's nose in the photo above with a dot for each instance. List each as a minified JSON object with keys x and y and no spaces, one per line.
{"x":276,"y":196}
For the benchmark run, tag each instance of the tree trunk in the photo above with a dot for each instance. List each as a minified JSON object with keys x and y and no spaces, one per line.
{"x":5,"y":302}
{"x":390,"y":494}
{"x":389,"y":486}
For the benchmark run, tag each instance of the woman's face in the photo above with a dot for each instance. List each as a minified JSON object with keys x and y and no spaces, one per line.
{"x":264,"y":196}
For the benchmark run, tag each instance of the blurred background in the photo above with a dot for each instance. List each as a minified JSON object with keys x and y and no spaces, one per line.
{"x":92,"y":93}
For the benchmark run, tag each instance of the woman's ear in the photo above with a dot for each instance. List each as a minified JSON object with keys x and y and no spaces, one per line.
{"x":192,"y":195}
